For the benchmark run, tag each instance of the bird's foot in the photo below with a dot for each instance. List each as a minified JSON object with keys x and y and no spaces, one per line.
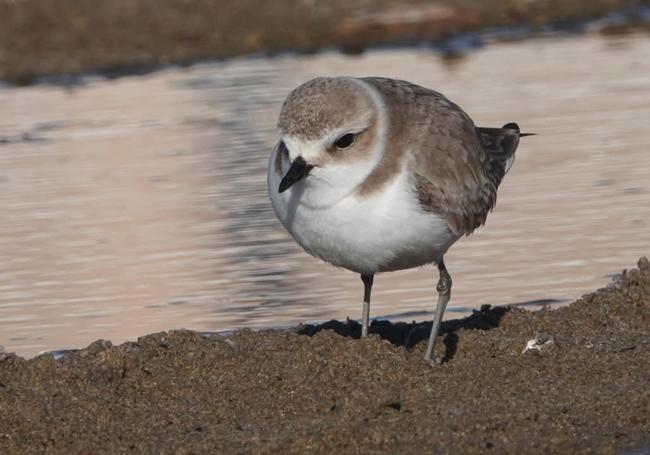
{"x":433,"y":362}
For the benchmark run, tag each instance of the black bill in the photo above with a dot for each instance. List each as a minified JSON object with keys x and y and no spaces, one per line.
{"x":299,"y":169}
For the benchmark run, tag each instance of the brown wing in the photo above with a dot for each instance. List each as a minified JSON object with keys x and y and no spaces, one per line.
{"x":452,"y":178}
{"x":453,"y":174}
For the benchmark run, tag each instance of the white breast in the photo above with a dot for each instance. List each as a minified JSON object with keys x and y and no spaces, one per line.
{"x":381,"y":232}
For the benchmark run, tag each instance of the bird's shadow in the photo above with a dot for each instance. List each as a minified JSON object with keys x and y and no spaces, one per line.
{"x":409,"y":334}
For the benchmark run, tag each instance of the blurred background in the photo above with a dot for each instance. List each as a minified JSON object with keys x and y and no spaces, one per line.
{"x":135,"y":134}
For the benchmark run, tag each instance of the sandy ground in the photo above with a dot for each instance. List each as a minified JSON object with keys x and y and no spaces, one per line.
{"x":60,"y":37}
{"x":316,"y":391}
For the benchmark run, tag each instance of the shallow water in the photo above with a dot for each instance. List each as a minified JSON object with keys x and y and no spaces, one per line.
{"x":139,"y":204}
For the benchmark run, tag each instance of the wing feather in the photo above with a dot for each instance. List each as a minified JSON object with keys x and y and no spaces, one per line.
{"x":455,"y":167}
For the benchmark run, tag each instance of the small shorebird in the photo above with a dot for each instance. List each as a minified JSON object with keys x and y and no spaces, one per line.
{"x":375,"y":175}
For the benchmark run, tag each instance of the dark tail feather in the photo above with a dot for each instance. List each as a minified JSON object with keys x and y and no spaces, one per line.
{"x":514,"y":126}
{"x":501,"y":144}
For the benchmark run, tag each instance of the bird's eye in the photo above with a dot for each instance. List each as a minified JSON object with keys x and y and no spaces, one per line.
{"x":345,"y":141}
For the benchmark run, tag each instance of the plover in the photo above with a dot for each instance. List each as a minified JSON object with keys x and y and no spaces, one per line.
{"x":374,"y":175}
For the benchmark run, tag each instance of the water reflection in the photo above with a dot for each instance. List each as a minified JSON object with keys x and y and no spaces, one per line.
{"x":139,"y":204}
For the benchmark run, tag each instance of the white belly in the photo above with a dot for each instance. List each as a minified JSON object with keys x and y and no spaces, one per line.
{"x":382,"y":232}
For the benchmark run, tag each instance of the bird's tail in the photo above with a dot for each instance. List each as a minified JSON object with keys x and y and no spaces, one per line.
{"x":501,"y":143}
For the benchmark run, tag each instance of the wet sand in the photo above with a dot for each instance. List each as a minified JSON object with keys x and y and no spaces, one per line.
{"x":289,"y":392}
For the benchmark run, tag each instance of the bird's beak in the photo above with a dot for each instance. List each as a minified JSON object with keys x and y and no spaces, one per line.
{"x":299,"y":169}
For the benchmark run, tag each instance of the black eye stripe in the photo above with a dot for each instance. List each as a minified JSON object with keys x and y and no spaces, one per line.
{"x":345,"y":141}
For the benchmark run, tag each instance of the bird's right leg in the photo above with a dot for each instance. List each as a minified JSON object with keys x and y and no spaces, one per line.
{"x":444,"y":294}
{"x":365,"y":316}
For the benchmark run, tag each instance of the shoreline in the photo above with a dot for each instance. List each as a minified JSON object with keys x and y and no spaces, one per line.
{"x":322,"y":392}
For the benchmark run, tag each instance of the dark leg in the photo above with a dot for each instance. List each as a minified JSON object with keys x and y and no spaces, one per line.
{"x":365,"y":316}
{"x":444,"y":293}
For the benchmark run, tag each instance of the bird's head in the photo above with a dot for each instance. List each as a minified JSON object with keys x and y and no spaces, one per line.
{"x":330,"y":134}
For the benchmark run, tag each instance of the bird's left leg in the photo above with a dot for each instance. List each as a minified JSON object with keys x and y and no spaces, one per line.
{"x":365,"y":317}
{"x":444,"y":294}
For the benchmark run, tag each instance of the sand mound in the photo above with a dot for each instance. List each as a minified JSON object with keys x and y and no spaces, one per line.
{"x":321,"y":392}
